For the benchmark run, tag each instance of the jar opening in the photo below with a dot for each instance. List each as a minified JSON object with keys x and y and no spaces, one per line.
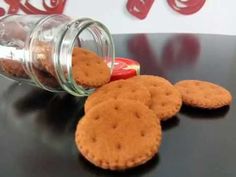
{"x":85,"y":36}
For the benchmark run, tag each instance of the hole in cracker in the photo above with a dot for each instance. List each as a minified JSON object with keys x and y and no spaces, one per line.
{"x":93,"y":139}
{"x":86,"y":74}
{"x":177,"y":106}
{"x":136,"y":114}
{"x":130,"y":163}
{"x":151,"y":106}
{"x":87,"y":64}
{"x":133,"y":90}
{"x":101,"y":72}
{"x":163,"y":104}
{"x":138,"y":159}
{"x":119,"y":86}
{"x":168,"y":93}
{"x":99,"y":62}
{"x":81,"y":147}
{"x":105,"y":164}
{"x":154,"y":85}
{"x":148,"y":154}
{"x":142,"y":133}
{"x":118,"y":146}
{"x":152,"y":94}
{"x":86,"y":151}
{"x":90,"y":155}
{"x":99,"y":162}
{"x":141,"y":157}
{"x":74,"y":53}
{"x":97,"y":117}
{"x":114,"y":126}
{"x":197,"y":83}
{"x":116,"y":107}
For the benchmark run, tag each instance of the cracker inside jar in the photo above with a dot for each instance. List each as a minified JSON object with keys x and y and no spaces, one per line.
{"x":89,"y":69}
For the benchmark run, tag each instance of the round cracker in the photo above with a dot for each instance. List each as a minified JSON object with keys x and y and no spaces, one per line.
{"x":203,"y":94}
{"x":118,"y":134}
{"x":13,"y":68}
{"x":81,"y":52}
{"x":165,"y":98}
{"x":89,"y":69}
{"x":120,"y":89}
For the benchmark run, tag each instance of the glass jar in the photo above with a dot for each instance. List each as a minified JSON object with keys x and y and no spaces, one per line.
{"x":38,"y":49}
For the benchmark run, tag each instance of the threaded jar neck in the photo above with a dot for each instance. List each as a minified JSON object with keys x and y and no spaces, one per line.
{"x":84,"y":33}
{"x":50,"y":46}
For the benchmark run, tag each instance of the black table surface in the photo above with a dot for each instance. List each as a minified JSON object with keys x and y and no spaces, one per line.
{"x":37,"y":127}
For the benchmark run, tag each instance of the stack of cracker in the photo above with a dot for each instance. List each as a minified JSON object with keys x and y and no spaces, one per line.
{"x":121,"y":127}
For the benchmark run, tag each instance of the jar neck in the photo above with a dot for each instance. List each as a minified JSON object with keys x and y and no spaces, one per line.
{"x":84,"y":33}
{"x":61,"y":35}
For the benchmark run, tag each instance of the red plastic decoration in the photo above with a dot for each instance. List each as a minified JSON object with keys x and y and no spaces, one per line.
{"x":13,"y":6}
{"x":189,"y":2}
{"x":2,"y":12}
{"x":139,"y":8}
{"x":54,"y":7}
{"x":186,"y":7}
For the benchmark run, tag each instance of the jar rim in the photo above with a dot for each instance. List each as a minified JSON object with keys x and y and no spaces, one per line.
{"x":65,"y":49}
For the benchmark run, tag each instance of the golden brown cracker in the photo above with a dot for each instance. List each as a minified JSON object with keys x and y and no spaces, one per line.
{"x":118,"y":134}
{"x":120,"y":89}
{"x":150,"y":80}
{"x":203,"y":94}
{"x":13,"y":68}
{"x":90,"y":70}
{"x":81,"y":52}
{"x":165,"y":98}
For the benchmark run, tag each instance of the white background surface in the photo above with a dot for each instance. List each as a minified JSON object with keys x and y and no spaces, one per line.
{"x":216,"y":17}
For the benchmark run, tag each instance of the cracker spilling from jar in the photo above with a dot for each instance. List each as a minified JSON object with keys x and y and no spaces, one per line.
{"x":89,"y":69}
{"x":118,"y":134}
{"x":121,"y":128}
